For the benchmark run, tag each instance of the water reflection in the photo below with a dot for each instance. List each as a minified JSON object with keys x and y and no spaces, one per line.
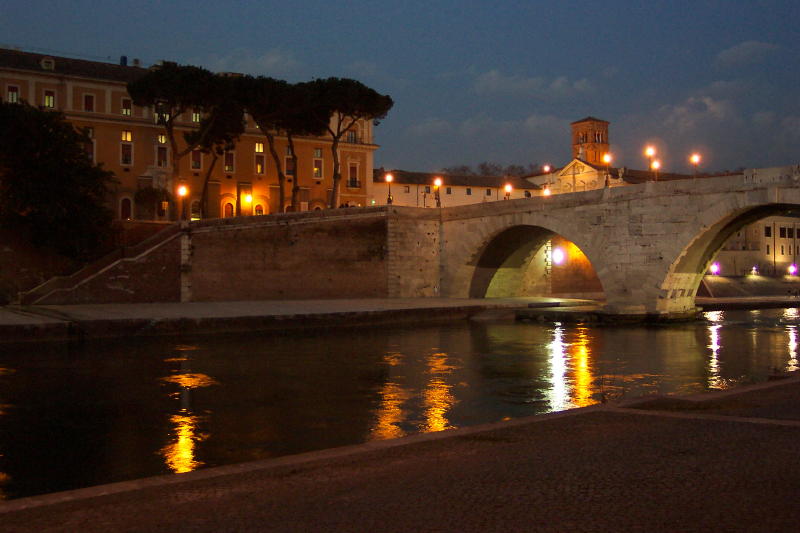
{"x":558,"y":395}
{"x":437,"y":399}
{"x":582,"y":380}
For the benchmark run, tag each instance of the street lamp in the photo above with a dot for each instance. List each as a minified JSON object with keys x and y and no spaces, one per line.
{"x":389,"y":178}
{"x":694,"y":159}
{"x":650,"y":152}
{"x":654,"y":166}
{"x":508,"y":188}
{"x":607,"y":160}
{"x":437,"y":183}
{"x":546,"y":170}
{"x":182,"y":192}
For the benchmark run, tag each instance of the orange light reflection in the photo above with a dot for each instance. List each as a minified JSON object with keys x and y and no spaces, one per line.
{"x":436,"y":396}
{"x":180,"y":454}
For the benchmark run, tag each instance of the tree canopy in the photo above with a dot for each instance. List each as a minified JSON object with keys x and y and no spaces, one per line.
{"x":49,"y":189}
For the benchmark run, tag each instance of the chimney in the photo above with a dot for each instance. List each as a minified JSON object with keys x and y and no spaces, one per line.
{"x":123,"y":61}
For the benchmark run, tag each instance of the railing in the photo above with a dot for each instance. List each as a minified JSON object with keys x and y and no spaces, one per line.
{"x":353,"y":184}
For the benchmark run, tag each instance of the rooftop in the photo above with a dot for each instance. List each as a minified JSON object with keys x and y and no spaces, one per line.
{"x":64,"y":66}
{"x":426,"y":178}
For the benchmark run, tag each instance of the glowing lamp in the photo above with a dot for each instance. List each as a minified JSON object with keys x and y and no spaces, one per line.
{"x":248,"y":198}
{"x":546,"y":168}
{"x":389,"y":178}
{"x":649,"y":151}
{"x":695,"y":159}
{"x":607,"y":158}
{"x":655,"y":165}
{"x":547,"y":191}
{"x":714,"y":268}
{"x":754,"y":270}
{"x":182,"y":191}
{"x":792,"y":269}
{"x":508,"y":188}
{"x":437,"y":182}
{"x":558,"y":256}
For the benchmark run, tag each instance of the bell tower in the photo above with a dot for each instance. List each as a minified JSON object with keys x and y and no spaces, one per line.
{"x":590,"y":140}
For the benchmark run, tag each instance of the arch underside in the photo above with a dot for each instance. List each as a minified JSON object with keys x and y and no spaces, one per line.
{"x":514,"y":263}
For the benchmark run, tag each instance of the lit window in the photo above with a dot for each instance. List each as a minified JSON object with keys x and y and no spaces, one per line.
{"x":161,"y":156}
{"x":259,"y":210}
{"x":260,"y":166}
{"x":317,"y":152}
{"x":318,"y":168}
{"x":126,"y":107}
{"x":195,"y":116}
{"x":88,"y":102}
{"x":162,"y":139}
{"x":13,"y":94}
{"x":228,"y":161}
{"x":259,"y":148}
{"x":127,"y":135}
{"x":197,"y":159}
{"x":160,"y":116}
{"x":50,"y":99}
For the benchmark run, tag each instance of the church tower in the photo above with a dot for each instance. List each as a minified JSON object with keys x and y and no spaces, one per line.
{"x":590,"y":140}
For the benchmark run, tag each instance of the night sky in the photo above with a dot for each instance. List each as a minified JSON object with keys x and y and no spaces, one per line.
{"x":497,"y":81}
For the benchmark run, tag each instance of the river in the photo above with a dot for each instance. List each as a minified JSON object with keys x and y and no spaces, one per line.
{"x":79,"y":415}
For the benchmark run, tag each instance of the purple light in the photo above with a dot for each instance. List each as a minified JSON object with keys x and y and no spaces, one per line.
{"x":714,"y":268}
{"x":792,"y":269}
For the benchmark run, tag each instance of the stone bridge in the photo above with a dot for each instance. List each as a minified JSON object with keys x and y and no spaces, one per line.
{"x":649,"y":245}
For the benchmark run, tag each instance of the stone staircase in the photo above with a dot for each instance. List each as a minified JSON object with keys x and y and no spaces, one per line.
{"x":39,"y":294}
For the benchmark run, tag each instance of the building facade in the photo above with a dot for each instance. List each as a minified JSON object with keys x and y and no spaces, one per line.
{"x":127,"y":141}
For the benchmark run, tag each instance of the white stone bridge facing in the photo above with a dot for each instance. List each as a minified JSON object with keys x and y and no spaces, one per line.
{"x":650,"y":244}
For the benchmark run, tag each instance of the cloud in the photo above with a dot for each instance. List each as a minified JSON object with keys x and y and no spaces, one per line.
{"x":745,"y":53}
{"x":431,"y":127}
{"x":494,"y":82}
{"x":694,"y":113}
{"x":274,"y":62}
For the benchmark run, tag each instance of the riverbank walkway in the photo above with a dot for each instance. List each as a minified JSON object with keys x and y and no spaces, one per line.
{"x":722,"y":461}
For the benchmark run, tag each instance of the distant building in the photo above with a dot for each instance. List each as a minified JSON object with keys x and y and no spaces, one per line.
{"x":417,"y":189}
{"x":126,"y":139}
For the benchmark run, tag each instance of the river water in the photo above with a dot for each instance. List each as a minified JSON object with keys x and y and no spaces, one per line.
{"x":78,"y":415}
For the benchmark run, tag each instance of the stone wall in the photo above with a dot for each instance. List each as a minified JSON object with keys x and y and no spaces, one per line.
{"x":414,"y":242}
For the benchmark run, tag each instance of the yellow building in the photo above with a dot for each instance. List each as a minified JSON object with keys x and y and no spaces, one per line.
{"x":127,"y":141}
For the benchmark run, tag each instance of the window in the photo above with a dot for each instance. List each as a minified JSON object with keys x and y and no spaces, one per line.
{"x":448,"y":190}
{"x":160,"y":115}
{"x":89,"y":132}
{"x":227,"y":211}
{"x":126,"y":154}
{"x":351,"y":137}
{"x":488,"y":192}
{"x":127,"y":107}
{"x":89,"y":145}
{"x":289,"y":166}
{"x":162,"y":139}
{"x":161,"y":156}
{"x":782,"y":249}
{"x":127,"y":136}
{"x":259,"y":148}
{"x":317,"y":152}
{"x":229,"y":162}
{"x":260,"y":164}
{"x":197,"y":159}
{"x":598,"y":137}
{"x":318,"y":168}
{"x":782,"y":232}
{"x":88,"y":103}
{"x":353,"y":180}
{"x":767,"y":231}
{"x":288,"y":150}
{"x":527,"y":194}
{"x":49,"y":99}
{"x":768,"y":249}
{"x":12,"y":94}
{"x":427,"y":189}
{"x":790,"y":233}
{"x":195,"y":116}
{"x":469,"y":191}
{"x":259,"y":210}
{"x":406,"y":189}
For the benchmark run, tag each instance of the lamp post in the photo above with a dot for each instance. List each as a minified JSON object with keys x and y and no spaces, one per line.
{"x":546,"y":169}
{"x":508,"y":188}
{"x":650,"y":152}
{"x":694,"y":159}
{"x":182,"y":192}
{"x":437,"y":183}
{"x":607,"y":160}
{"x":389,"y":179}
{"x":654,"y":166}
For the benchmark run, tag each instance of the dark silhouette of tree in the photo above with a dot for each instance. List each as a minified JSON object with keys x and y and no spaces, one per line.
{"x":264,"y":99}
{"x":488,"y":168}
{"x":49,"y":189}
{"x":173,"y":90}
{"x":219,"y":129}
{"x":346,"y":102}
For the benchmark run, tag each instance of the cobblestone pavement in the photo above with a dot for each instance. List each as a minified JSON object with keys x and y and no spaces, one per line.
{"x":688,"y":464}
